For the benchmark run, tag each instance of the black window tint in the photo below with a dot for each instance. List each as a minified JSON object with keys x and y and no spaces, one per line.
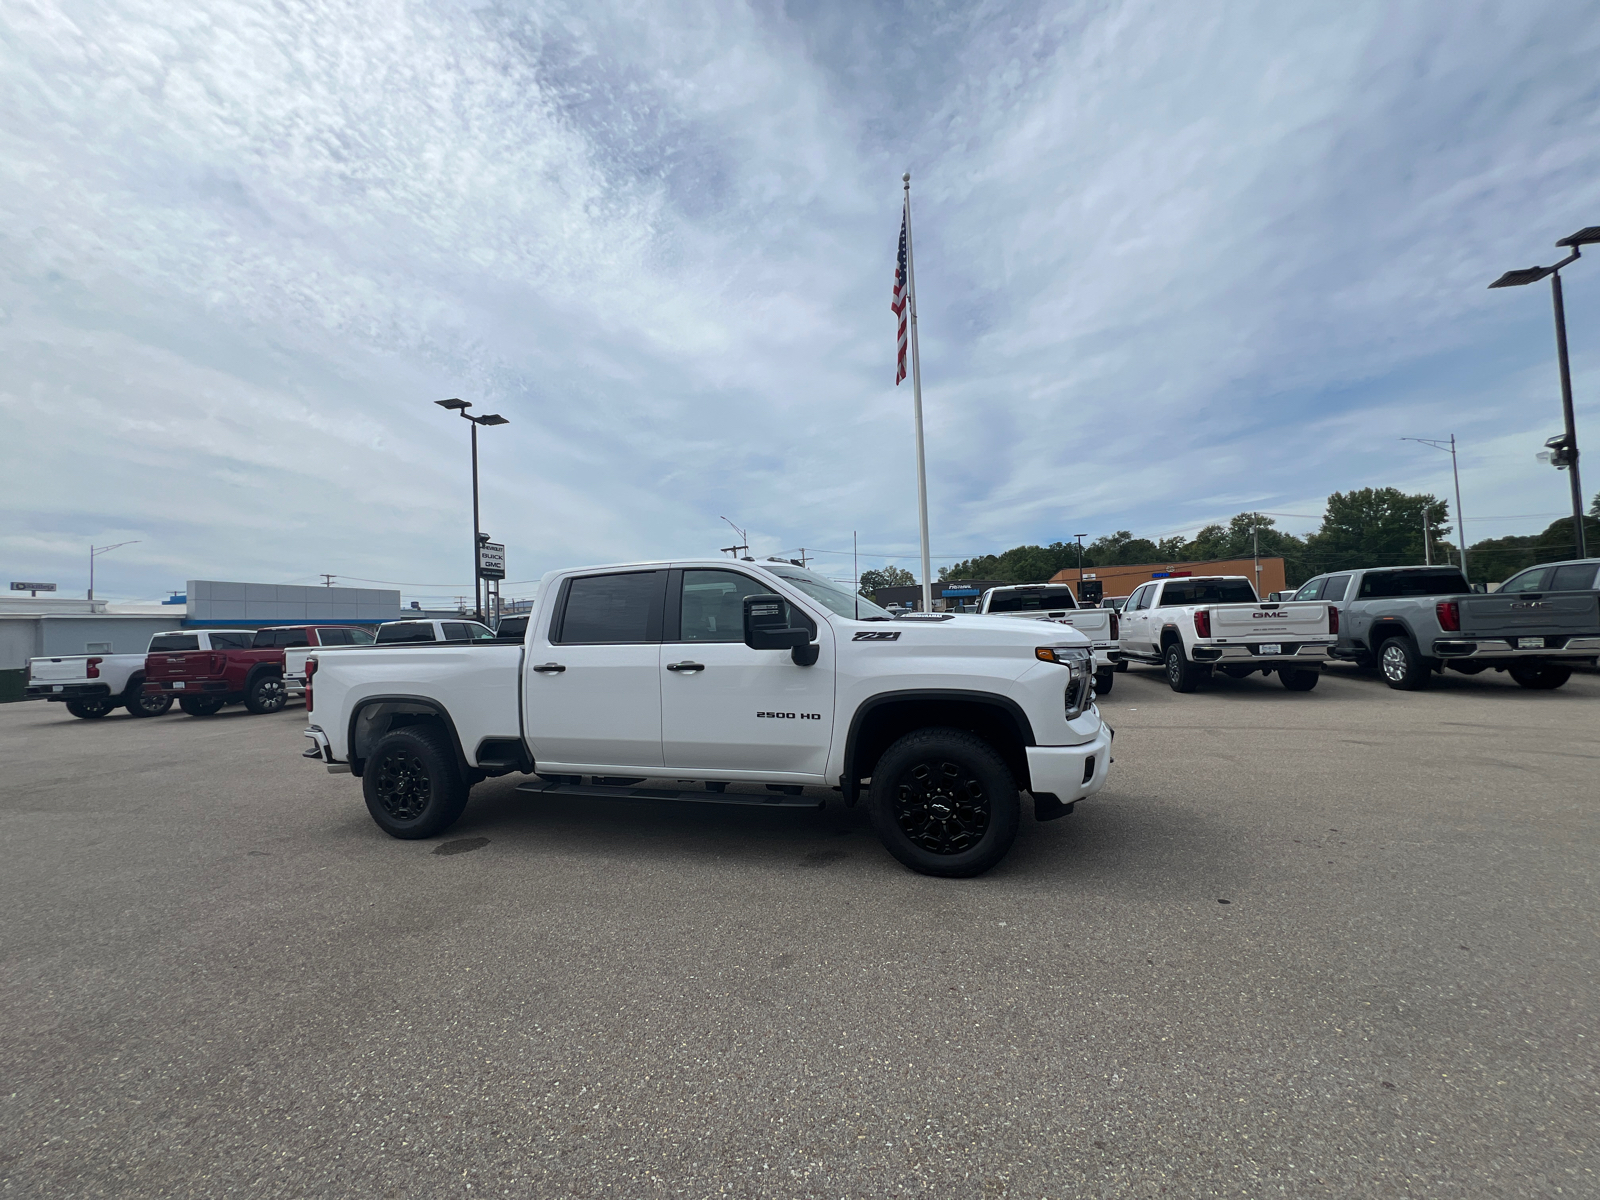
{"x":294,"y":637}
{"x":1207,"y":591}
{"x":512,"y":627}
{"x":1528,"y":581}
{"x":713,"y":605}
{"x":1312,"y":590}
{"x":604,"y":609}
{"x":1335,"y":588}
{"x":173,"y":642}
{"x":333,"y":637}
{"x":231,"y":641}
{"x":1031,"y":601}
{"x":1387,"y":585}
{"x":264,"y":639}
{"x":358,"y":637}
{"x":1577,"y":577}
{"x":406,"y":631}
{"x":454,"y":631}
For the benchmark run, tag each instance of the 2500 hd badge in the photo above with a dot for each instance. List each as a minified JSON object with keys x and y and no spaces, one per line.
{"x":793,"y":716}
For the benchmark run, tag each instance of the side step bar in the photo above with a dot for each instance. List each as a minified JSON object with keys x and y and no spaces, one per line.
{"x":606,"y":791}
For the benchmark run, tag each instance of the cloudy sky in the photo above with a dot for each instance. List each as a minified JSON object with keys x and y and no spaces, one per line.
{"x":1174,"y":261}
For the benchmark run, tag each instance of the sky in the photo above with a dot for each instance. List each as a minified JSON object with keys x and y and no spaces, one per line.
{"x":1173,"y":262}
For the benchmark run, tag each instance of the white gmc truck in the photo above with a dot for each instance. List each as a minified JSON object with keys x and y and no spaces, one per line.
{"x":1192,"y":625}
{"x":703,"y":675}
{"x":1056,"y":602}
{"x":93,"y":685}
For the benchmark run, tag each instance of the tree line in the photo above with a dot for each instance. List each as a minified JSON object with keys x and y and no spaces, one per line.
{"x":1369,"y":527}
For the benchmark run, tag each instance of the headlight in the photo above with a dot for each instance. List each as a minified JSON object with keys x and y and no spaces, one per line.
{"x":1079,"y":661}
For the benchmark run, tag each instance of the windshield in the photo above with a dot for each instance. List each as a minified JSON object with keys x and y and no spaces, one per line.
{"x":838,"y":598}
{"x":1032,"y":600}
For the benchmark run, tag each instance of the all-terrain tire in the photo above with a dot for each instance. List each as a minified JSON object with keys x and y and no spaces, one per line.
{"x":266,"y":695}
{"x":140,"y":703}
{"x":1402,"y":664}
{"x":201,"y":706}
{"x":1182,"y":675}
{"x":944,"y":803}
{"x":1298,"y":679}
{"x":90,"y":707}
{"x":1543,"y":678}
{"x":412,"y":784}
{"x":1103,"y":680}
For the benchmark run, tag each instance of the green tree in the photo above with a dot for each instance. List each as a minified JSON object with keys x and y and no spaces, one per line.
{"x":1594,"y":507}
{"x":1242,"y":537}
{"x":1377,"y":527}
{"x":1020,"y":564}
{"x":883,"y":577}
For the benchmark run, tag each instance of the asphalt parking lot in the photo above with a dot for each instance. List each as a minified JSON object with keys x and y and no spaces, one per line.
{"x":1339,"y":943}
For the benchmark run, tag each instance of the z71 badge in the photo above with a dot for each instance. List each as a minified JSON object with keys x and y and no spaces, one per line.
{"x":874,"y":635}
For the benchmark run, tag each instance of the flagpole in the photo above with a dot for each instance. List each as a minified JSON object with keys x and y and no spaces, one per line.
{"x":916,"y":393}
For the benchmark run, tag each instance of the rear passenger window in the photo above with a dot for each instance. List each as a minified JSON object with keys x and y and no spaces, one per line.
{"x":406,"y":631}
{"x":1312,"y":590}
{"x":1528,"y":581}
{"x":333,"y":637}
{"x":231,"y":641}
{"x":1577,"y":577}
{"x":1335,"y":588}
{"x":610,"y":609}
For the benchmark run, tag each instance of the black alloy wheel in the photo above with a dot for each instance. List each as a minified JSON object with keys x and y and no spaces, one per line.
{"x":267,"y":695}
{"x":147,"y":704}
{"x":402,"y":784}
{"x":90,"y":708}
{"x":944,"y":803}
{"x":412,"y":783}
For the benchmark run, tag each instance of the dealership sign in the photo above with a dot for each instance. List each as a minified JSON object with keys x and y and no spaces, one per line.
{"x":491,"y":560}
{"x":33,"y":587}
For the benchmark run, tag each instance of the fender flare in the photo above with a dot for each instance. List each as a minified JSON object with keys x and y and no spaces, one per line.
{"x":849,"y":779}
{"x":431,"y":705}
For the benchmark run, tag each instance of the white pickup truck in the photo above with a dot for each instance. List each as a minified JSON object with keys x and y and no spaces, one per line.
{"x":92,"y":685}
{"x":1056,"y":602}
{"x":1191,"y":625}
{"x":708,"y":674}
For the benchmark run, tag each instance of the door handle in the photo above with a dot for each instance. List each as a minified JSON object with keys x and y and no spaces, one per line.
{"x":550,"y":668}
{"x":686,"y":666}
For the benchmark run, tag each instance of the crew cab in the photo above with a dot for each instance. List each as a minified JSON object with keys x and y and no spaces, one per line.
{"x":206,"y":669}
{"x":321,"y":637}
{"x":423,"y":630}
{"x":1056,"y":602}
{"x":1192,"y":625}
{"x":1411,"y":622}
{"x":711,"y":675}
{"x":92,"y":685}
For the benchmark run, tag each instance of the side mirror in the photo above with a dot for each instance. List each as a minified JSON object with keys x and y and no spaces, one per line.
{"x":1480,"y":588}
{"x":766,"y":629}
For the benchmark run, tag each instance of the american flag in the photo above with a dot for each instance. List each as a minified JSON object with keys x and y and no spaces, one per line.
{"x":901,"y":295}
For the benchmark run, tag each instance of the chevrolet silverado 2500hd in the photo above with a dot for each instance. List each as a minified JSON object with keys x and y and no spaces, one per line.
{"x":707,"y":674}
{"x":92,"y":685}
{"x":1192,"y":625}
{"x":1055,"y":602}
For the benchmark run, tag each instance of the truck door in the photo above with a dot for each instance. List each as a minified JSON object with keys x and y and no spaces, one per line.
{"x":592,"y":679}
{"x":726,"y":707}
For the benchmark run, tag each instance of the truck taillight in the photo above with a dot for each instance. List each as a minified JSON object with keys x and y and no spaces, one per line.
{"x":1202,"y":622}
{"x":311,"y":669}
{"x":1333,"y":619}
{"x":1449,"y":615}
{"x":1116,"y":626}
{"x":92,"y":671}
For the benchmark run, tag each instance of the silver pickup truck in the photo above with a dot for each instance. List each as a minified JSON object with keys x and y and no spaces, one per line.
{"x":1413,"y":621}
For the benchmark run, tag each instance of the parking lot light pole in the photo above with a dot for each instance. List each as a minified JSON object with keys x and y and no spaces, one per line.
{"x":1567,"y":451}
{"x":96,"y":551}
{"x":1461,"y":522}
{"x":459,"y":407}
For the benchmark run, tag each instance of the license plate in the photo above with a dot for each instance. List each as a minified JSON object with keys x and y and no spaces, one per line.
{"x":1271,"y":648}
{"x":178,"y":684}
{"x":1530,"y":643}
{"x":58,"y":687}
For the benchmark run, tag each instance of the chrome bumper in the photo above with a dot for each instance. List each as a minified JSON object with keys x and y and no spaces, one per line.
{"x":1305,"y":652}
{"x":1452,"y":648}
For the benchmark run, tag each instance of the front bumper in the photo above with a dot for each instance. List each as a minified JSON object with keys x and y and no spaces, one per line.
{"x":1060,"y":776}
{"x":65,"y":691}
{"x":1298,"y":653}
{"x":1554,"y":646}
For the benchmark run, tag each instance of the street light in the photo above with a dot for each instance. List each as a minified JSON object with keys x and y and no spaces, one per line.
{"x":1461,"y":521}
{"x":1567,"y":450}
{"x":459,"y":407}
{"x":96,"y":551}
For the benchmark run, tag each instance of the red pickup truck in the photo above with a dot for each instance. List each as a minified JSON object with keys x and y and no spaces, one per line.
{"x":233,"y":666}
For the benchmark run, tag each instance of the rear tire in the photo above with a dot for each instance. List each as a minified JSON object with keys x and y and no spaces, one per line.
{"x":201,"y":706}
{"x":90,"y":708}
{"x":1182,"y":675}
{"x":1543,"y":678}
{"x":1122,"y":664}
{"x":412,"y":784}
{"x":1103,"y":680}
{"x":1298,"y":679}
{"x":266,"y":695}
{"x":1402,"y":665}
{"x":145,"y":704}
{"x":944,"y":803}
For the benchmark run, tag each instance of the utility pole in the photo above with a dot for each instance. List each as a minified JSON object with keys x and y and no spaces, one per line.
{"x":1255,"y":550}
{"x":1079,"y":538}
{"x":327,"y":578}
{"x":742,"y":550}
{"x":1455,"y":471}
{"x":1427,"y":542}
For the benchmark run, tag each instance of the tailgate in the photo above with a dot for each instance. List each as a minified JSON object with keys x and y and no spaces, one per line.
{"x":1545,"y":613}
{"x":189,"y":664}
{"x":1093,"y":623}
{"x":1306,"y":619}
{"x":59,"y":670}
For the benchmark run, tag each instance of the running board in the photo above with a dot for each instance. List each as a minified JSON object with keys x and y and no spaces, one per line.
{"x":606,"y":791}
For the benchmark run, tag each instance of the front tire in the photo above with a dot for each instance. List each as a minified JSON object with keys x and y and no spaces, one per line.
{"x":1543,"y":678}
{"x":146,"y":704}
{"x":266,"y":695}
{"x":1298,"y":679}
{"x":90,"y":708}
{"x":1402,"y":665}
{"x":944,"y":803}
{"x":201,"y":706}
{"x":1182,"y":675}
{"x":412,"y":784}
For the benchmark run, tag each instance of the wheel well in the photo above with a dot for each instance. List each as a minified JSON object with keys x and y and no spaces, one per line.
{"x":1169,"y":635}
{"x":1383,"y":631}
{"x":257,"y":671}
{"x":884,"y":723}
{"x":374,"y":718}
